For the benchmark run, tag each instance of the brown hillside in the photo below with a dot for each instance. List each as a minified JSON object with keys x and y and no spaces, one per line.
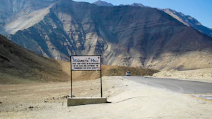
{"x":123,"y":35}
{"x":18,"y":65}
{"x":106,"y":71}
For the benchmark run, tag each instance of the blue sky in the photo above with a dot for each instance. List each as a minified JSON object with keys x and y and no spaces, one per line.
{"x":199,"y":9}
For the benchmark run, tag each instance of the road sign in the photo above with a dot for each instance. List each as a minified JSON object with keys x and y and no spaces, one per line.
{"x":86,"y":63}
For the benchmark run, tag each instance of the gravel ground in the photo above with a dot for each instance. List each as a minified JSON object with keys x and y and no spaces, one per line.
{"x":202,"y":75}
{"x":129,"y":100}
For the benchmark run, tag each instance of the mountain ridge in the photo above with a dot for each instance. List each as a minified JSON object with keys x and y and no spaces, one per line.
{"x":11,"y":10}
{"x":103,"y":3}
{"x":189,"y":21}
{"x":21,"y":66}
{"x":185,"y":19}
{"x":120,"y":34}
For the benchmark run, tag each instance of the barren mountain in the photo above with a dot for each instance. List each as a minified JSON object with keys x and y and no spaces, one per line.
{"x":103,"y":3}
{"x":185,"y":19}
{"x":189,"y":21}
{"x":18,"y":65}
{"x":123,"y":35}
{"x":137,"y":5}
{"x":21,"y":14}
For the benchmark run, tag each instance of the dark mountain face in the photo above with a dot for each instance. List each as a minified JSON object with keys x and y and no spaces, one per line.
{"x":123,"y":35}
{"x":18,"y":65}
{"x":185,"y":19}
{"x":103,"y":3}
{"x":189,"y":21}
{"x":13,"y":10}
{"x":137,"y":5}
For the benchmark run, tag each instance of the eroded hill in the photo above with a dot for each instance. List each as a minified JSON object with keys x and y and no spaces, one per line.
{"x":18,"y":65}
{"x":123,"y":35}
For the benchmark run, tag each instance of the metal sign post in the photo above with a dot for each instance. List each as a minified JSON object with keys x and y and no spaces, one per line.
{"x":85,"y":63}
{"x":101,"y":76}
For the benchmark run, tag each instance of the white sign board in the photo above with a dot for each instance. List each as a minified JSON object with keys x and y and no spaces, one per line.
{"x":82,"y":63}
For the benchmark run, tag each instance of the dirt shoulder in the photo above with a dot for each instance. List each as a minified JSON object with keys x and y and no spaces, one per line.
{"x":128,"y":100}
{"x":202,"y":75}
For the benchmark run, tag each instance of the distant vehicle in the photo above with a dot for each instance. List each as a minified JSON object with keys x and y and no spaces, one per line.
{"x":128,"y":73}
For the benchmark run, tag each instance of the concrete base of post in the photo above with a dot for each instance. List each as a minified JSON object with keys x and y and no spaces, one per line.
{"x":85,"y":100}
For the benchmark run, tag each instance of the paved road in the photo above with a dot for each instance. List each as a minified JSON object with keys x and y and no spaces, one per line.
{"x":198,"y":89}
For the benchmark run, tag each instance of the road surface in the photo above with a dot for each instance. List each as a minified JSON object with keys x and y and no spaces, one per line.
{"x":198,"y":89}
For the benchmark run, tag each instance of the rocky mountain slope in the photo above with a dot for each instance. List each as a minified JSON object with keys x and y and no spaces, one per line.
{"x":103,"y":3}
{"x":137,"y":5}
{"x":123,"y":35}
{"x":185,"y":19}
{"x":189,"y":21}
{"x":18,"y":65}
{"x":21,"y":14}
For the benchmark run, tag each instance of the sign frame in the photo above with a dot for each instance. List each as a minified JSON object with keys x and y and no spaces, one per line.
{"x":88,"y":56}
{"x":86,"y":70}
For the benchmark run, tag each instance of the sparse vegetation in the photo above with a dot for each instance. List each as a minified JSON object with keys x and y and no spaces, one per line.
{"x":107,"y":70}
{"x":121,"y":71}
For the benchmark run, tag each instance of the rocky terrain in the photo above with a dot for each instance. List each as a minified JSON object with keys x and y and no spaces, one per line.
{"x":201,"y":75}
{"x":185,"y":19}
{"x":123,"y":35}
{"x":18,"y":65}
{"x":21,"y":14}
{"x":189,"y":21}
{"x":102,"y":3}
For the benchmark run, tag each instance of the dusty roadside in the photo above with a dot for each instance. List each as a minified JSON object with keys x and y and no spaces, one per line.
{"x":202,"y":75}
{"x":128,"y":100}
